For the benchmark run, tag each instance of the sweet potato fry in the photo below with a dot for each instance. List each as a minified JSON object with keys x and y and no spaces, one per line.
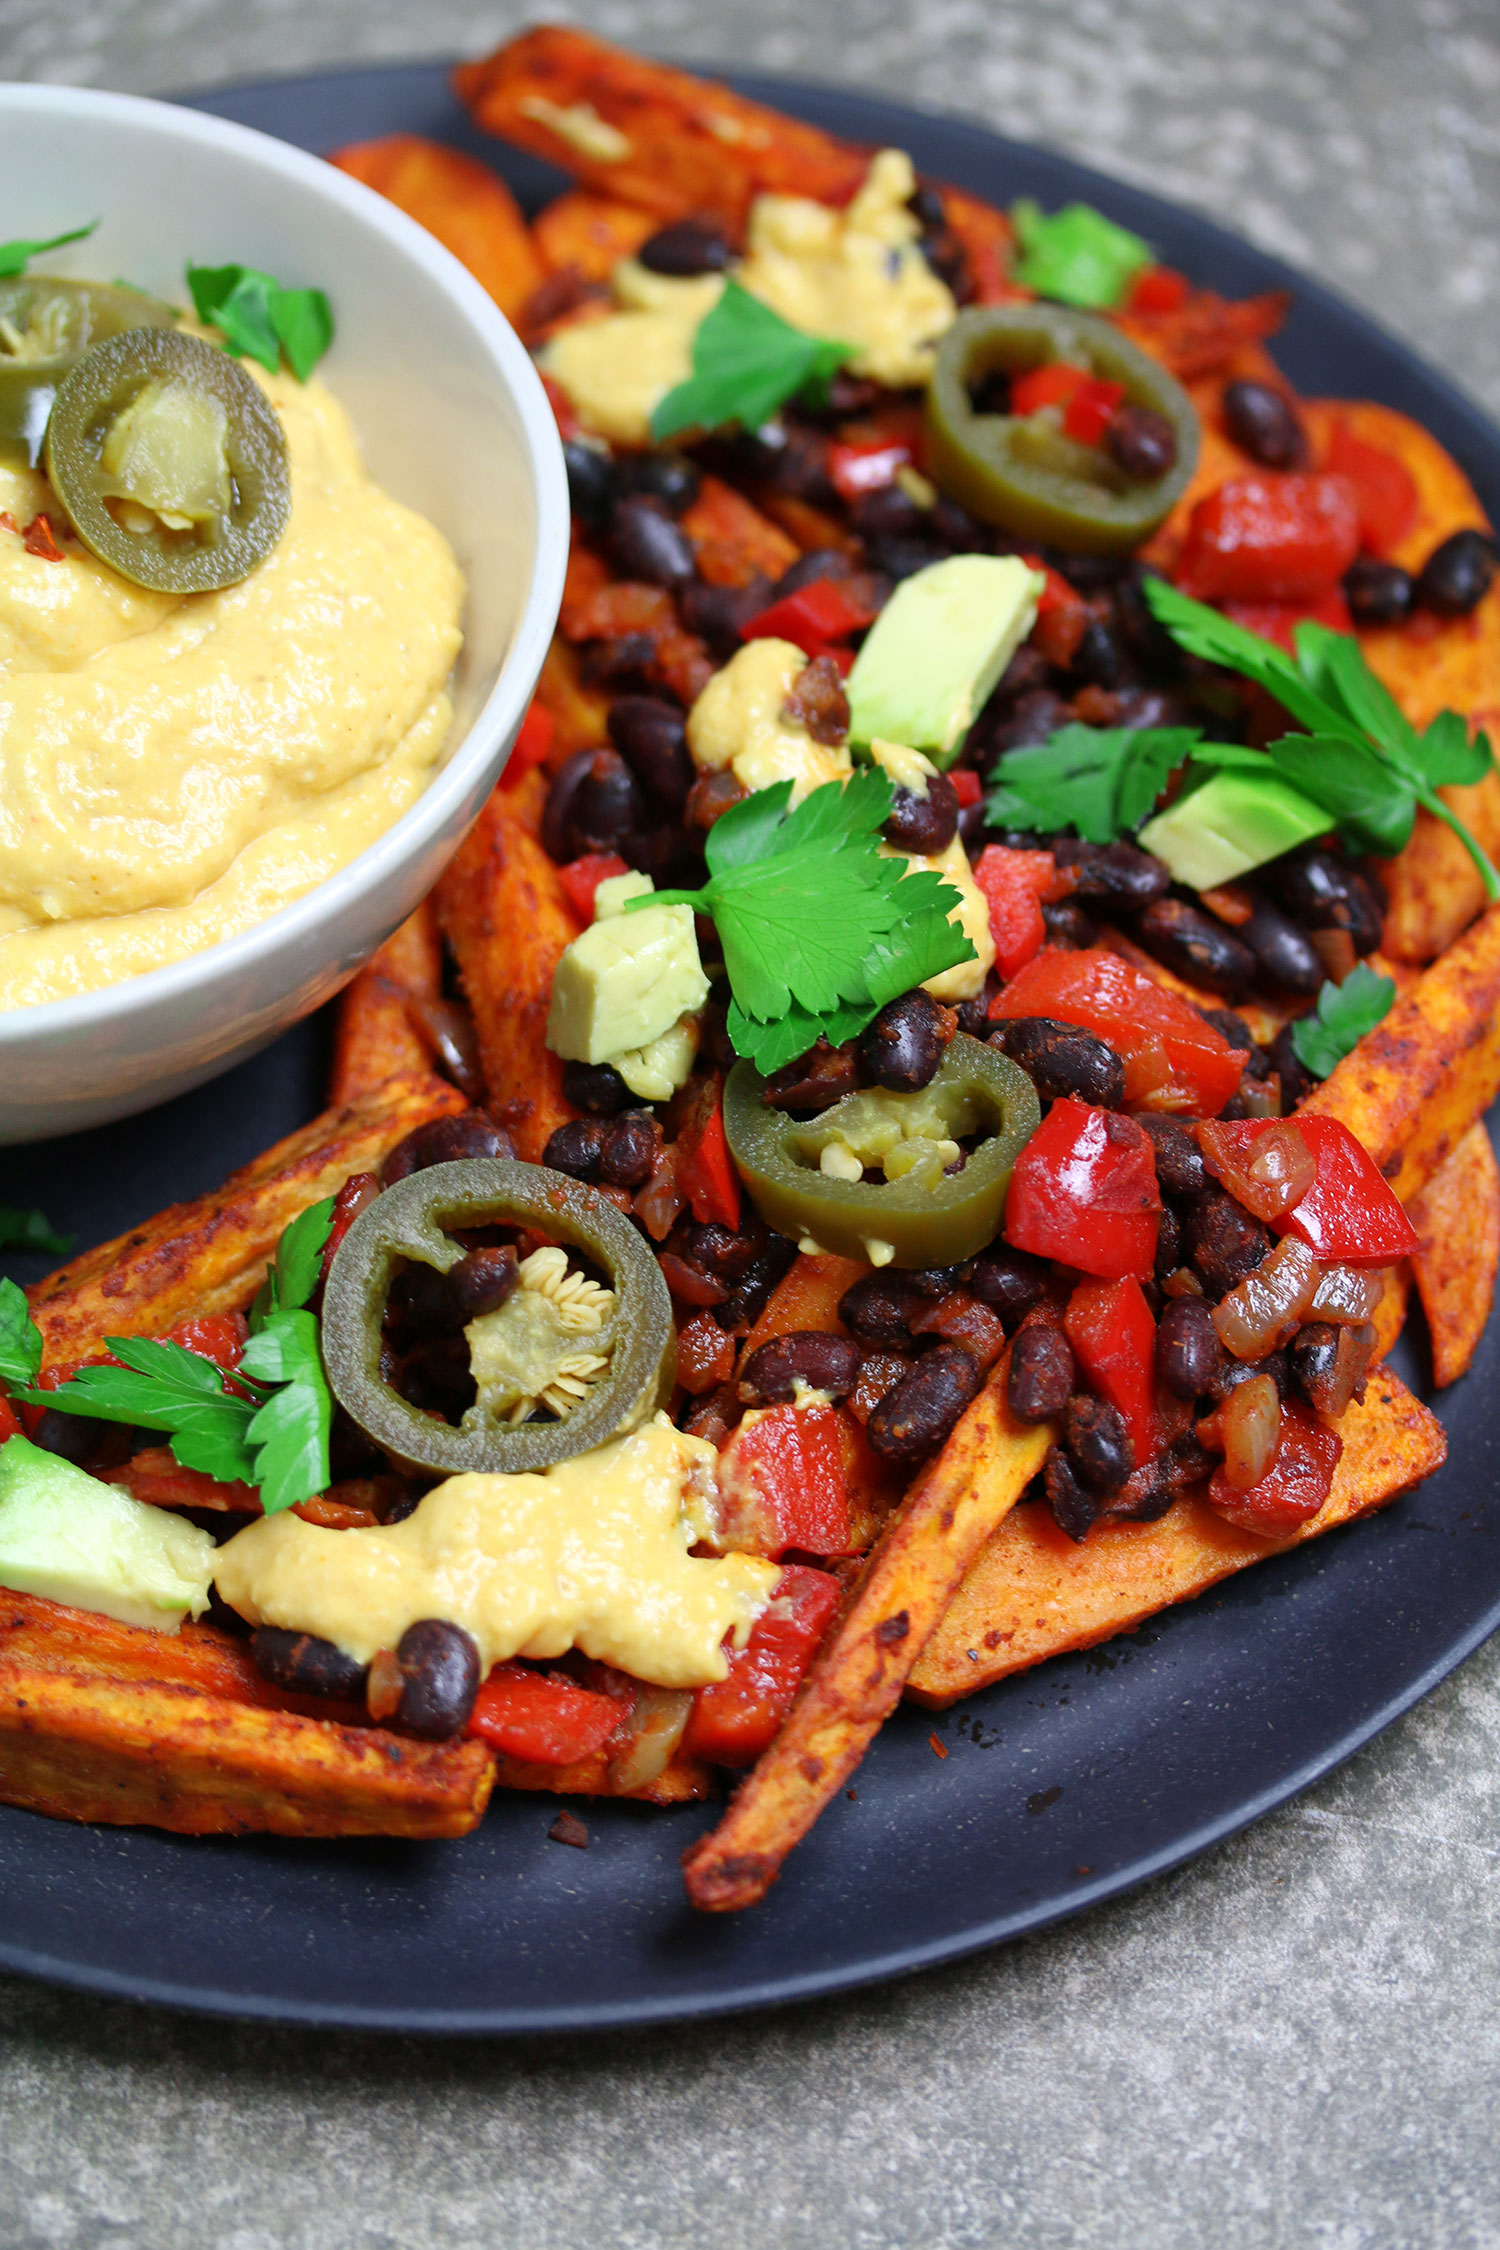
{"x":461,"y":201}
{"x":1416,"y":1083}
{"x":580,"y":714}
{"x":1207,"y":334}
{"x":1032,"y":1593}
{"x":631,"y":128}
{"x":209,"y":1256}
{"x":507,"y":919}
{"x":807,"y":1296}
{"x":857,"y":1677}
{"x":375,"y":1038}
{"x":131,"y":1752}
{"x":984,"y":234}
{"x":1457,"y":1216}
{"x":1390,"y":1314}
{"x":684,"y":1781}
{"x":734,"y":541}
{"x":589,"y":234}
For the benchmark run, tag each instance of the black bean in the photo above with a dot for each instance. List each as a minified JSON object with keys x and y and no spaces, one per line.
{"x":596,"y":1088}
{"x":1265,"y":424}
{"x":1027,"y":670}
{"x":1120,"y":874}
{"x":1288,"y":959}
{"x":440,"y":1671}
{"x":1042,"y":1373}
{"x":228,"y":1620}
{"x":651,"y":736}
{"x":955,"y":526}
{"x":1296,"y":1079}
{"x":446,"y":1140}
{"x":1141,"y":442}
{"x":880,"y":1308}
{"x":1097,"y":1440}
{"x":575,"y":1148}
{"x":1378,"y":593}
{"x":72,"y":1437}
{"x":1101,"y":655}
{"x":629,"y":1151}
{"x":648,"y":545}
{"x":887,"y":513}
{"x":1196,"y":946}
{"x":305,"y":1664}
{"x":1066,"y":924}
{"x":1324,"y":891}
{"x":1456,"y":576}
{"x":924,"y":824}
{"x":482,"y":1280}
{"x":1168,"y":1255}
{"x":1010,"y":1282}
{"x":1329,"y":1364}
{"x":592,"y":485}
{"x":606,"y":806}
{"x":1226,"y":1242}
{"x":421,"y":1301}
{"x":799,"y":466}
{"x":1278,"y":1365}
{"x":1074,"y":1508}
{"x":746,"y":1301}
{"x":1186,"y":1461}
{"x":1180,"y":1169}
{"x":716,"y":613}
{"x":723,"y":1254}
{"x":624,"y":658}
{"x":903,"y":558}
{"x":557,"y":814}
{"x":1033,"y":717}
{"x":1060,"y":1059}
{"x":1189,"y":1355}
{"x":435,"y":1376}
{"x":1144,"y":1496}
{"x":1230,"y":1026}
{"x":689,"y":246}
{"x":810,"y":1356}
{"x":925,"y":204}
{"x":668,"y":477}
{"x":933,"y":1281}
{"x":916,"y":1415}
{"x":904,"y":1045}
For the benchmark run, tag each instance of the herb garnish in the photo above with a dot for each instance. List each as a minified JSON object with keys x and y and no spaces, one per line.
{"x":1076,"y":255}
{"x":15,"y":256}
{"x":1361,"y":759}
{"x":820,"y":928}
{"x":747,"y":361}
{"x":260,"y":320}
{"x":31,"y":1230}
{"x":1345,"y":1012}
{"x":271,"y":1430}
{"x":1101,"y":781}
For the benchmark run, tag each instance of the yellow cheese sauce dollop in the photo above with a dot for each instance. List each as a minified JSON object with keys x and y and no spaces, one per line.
{"x":590,"y":1554}
{"x":173,"y":769}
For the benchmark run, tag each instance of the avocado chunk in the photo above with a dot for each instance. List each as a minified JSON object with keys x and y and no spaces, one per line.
{"x":625,"y":982}
{"x":937,"y":649}
{"x":68,"y":1537}
{"x":1236,"y":821}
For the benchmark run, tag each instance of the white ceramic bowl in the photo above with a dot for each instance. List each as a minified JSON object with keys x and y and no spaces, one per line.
{"x":453,"y":421}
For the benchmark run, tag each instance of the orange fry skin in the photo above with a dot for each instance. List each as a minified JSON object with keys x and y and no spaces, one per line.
{"x":460,"y":200}
{"x":589,"y":234}
{"x":734,"y":542}
{"x":374,"y":1037}
{"x":1457,"y":1218}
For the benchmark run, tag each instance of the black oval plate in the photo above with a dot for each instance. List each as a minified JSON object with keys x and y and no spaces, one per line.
{"x":1059,"y":1788}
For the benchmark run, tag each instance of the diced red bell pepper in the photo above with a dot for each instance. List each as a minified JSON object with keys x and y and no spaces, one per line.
{"x":866,"y":466}
{"x":781,"y":1484}
{"x":1084,"y":1192}
{"x":581,"y":878}
{"x":220,"y":1337}
{"x":967,"y":786}
{"x":360,"y":1189}
{"x":9,"y":1423}
{"x":734,"y":1719}
{"x":530,"y":747}
{"x":1109,"y":1326}
{"x":813,"y":617}
{"x":1062,"y":616}
{"x":1270,"y":537}
{"x":705,"y":1169}
{"x":1090,"y":411}
{"x":1348,"y":1217}
{"x":1385,"y":491}
{"x":1052,"y":385}
{"x":543,"y":1717}
{"x":1295,"y":1486}
{"x":568,"y":424}
{"x":1278,"y":621}
{"x":1014,"y":884}
{"x":1157,"y":289}
{"x":1173,"y":1059}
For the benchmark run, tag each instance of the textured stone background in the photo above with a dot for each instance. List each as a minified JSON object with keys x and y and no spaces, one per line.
{"x":1292,"y":2043}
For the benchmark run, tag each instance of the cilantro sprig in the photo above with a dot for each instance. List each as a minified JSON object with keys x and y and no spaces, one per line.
{"x":270,"y":1430}
{"x":747,"y":361}
{"x":1101,"y":781}
{"x":31,"y":1230}
{"x":260,"y":320}
{"x":1361,"y":758}
{"x":1345,"y":1012}
{"x":16,"y":256}
{"x":820,"y":928}
{"x":1075,"y":255}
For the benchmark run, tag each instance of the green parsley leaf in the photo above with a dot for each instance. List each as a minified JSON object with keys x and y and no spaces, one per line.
{"x":295,"y":1271}
{"x":31,"y":1230}
{"x":290,"y":1432}
{"x":1075,"y":255}
{"x":161,"y":1386}
{"x":20,"y":1339}
{"x":15,"y":256}
{"x":747,"y":361}
{"x":1101,"y":781}
{"x":1345,"y":1012}
{"x":260,"y":320}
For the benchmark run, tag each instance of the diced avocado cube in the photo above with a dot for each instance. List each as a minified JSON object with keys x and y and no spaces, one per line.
{"x":1236,"y":821}
{"x":68,"y":1537}
{"x":625,"y":982}
{"x":936,"y":650}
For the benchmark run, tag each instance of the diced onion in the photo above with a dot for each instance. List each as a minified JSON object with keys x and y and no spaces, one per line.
{"x":1267,"y":1307}
{"x":652,"y":1732}
{"x":1269,"y":1177}
{"x":1348,"y":1295}
{"x":1252,"y":1431}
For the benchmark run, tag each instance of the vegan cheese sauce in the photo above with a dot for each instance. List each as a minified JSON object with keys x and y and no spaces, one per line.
{"x":174,"y":768}
{"x":590,"y":1554}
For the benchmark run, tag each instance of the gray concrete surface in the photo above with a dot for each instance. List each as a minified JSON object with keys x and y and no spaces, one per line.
{"x":1294,"y":2042}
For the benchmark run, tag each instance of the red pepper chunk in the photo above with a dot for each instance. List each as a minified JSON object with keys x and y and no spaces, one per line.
{"x":781,"y":1484}
{"x":705,"y":1169}
{"x":1052,"y":385}
{"x":1014,"y":884}
{"x":868,"y":465}
{"x":812,"y":617}
{"x":543,"y":1717}
{"x":734,"y":1719}
{"x":220,"y":1337}
{"x":1157,"y":289}
{"x":1385,"y":491}
{"x":9,"y":1424}
{"x":530,"y":747}
{"x":581,"y":878}
{"x":1348,"y":1217}
{"x":1173,"y":1059}
{"x":1278,"y":621}
{"x":1110,"y":1328}
{"x":967,"y":786}
{"x":1269,"y":537}
{"x":1295,"y":1486}
{"x":1084,"y":1192}
{"x":1090,"y":411}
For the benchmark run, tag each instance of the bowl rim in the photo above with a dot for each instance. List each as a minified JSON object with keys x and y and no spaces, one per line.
{"x":503,"y":708}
